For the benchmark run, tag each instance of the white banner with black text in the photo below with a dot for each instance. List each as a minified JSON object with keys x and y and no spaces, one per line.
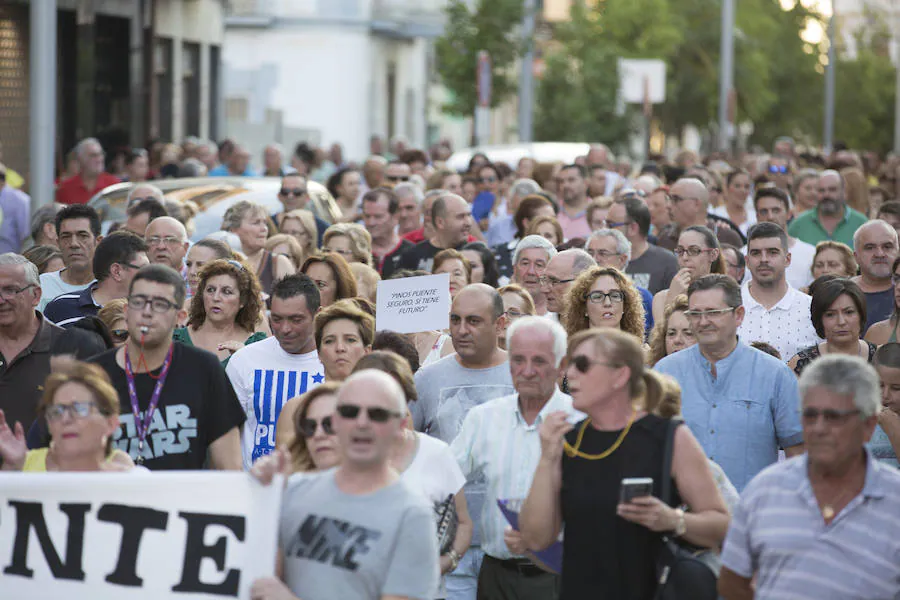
{"x":122,"y":536}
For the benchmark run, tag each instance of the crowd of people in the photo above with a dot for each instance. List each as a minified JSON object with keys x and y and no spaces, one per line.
{"x":693,"y":351}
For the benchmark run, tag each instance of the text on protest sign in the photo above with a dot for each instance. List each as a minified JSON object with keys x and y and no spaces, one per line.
{"x":104,"y":536}
{"x":413,"y":304}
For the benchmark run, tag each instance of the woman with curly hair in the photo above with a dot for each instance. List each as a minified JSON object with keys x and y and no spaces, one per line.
{"x":604,"y":297}
{"x":350,"y":240}
{"x":671,"y":333}
{"x":225,"y":312}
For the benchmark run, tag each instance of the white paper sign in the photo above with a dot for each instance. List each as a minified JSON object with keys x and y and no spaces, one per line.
{"x":122,"y":536}
{"x":413,"y":304}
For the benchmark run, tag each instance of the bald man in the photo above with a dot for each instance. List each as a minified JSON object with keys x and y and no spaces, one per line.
{"x":451,"y":217}
{"x":832,"y":219}
{"x":690,"y":206}
{"x":876,"y":249}
{"x":560,"y":274}
{"x":167,"y":242}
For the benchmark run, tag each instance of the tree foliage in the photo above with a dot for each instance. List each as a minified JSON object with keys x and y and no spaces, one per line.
{"x":492,"y":26}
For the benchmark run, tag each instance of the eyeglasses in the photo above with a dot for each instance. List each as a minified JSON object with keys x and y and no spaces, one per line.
{"x":157,"y":305}
{"x":614,"y":224}
{"x":491,"y":179}
{"x":308,"y":427}
{"x":693,"y":251}
{"x":675,"y":198}
{"x":696,"y":315}
{"x":553,"y":281}
{"x":376,"y":414}
{"x":137,"y":199}
{"x":130,"y":266}
{"x":778,"y":169}
{"x":168,"y":241}
{"x":583,"y":364}
{"x":603,"y":254}
{"x":598,"y":297}
{"x":397,"y":177}
{"x":295,"y":192}
{"x":513,"y":314}
{"x":76,"y":409}
{"x":8,"y":293}
{"x":832,"y":416}
{"x":119,"y":335}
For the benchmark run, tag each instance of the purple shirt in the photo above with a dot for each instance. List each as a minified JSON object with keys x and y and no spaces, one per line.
{"x":14,"y":208}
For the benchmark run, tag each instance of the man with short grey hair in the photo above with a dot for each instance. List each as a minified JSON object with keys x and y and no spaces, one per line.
{"x":143,"y":191}
{"x":503,"y":230}
{"x":26,"y":338}
{"x":499,"y":443}
{"x":409,"y":210}
{"x":610,"y":248}
{"x":562,"y":270}
{"x":530,"y":260}
{"x":831,"y":512}
{"x":91,"y":177}
{"x":43,"y":225}
{"x":167,"y":242}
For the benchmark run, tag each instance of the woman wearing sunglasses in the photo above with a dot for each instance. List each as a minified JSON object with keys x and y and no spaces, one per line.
{"x":699,"y":253}
{"x":309,"y":435}
{"x":610,"y":547}
{"x":604,"y":297}
{"x":113,"y":316}
{"x":225,"y":312}
{"x":81,"y":409}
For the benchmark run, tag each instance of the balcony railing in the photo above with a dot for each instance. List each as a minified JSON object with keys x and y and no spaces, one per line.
{"x":408,"y":18}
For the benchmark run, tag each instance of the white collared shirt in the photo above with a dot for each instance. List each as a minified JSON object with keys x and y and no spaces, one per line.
{"x":496,"y":446}
{"x":786,"y":326}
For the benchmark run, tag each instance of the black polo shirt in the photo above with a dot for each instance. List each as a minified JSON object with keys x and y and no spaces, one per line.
{"x":22,"y":378}
{"x":66,"y":309}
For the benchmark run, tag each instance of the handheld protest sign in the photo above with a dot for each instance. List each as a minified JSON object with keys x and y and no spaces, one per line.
{"x":414,"y":304}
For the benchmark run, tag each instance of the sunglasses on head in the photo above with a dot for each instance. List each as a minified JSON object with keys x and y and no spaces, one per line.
{"x":296,"y":192}
{"x":308,"y":427}
{"x":119,"y":335}
{"x":376,"y":414}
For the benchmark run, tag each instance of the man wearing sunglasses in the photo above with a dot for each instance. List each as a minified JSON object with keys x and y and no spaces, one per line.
{"x":395,"y":173}
{"x":356,"y":531}
{"x":739,"y":402}
{"x":449,"y":388}
{"x":821,"y":525}
{"x":778,"y":168}
{"x":116,"y":260}
{"x":293,"y":195}
{"x":178,"y":408}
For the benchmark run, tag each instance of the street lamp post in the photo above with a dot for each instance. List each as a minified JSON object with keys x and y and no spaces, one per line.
{"x":828,"y":133}
{"x":726,"y":74}
{"x":526,"y":78}
{"x":42,"y":97}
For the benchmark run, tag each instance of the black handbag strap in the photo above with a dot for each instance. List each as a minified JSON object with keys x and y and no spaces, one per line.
{"x":665,"y":486}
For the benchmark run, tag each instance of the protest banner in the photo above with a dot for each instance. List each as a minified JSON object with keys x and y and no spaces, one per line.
{"x":131,"y":536}
{"x":414,"y":304}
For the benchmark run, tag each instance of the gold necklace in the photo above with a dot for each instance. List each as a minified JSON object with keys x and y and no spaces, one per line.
{"x":574,"y":451}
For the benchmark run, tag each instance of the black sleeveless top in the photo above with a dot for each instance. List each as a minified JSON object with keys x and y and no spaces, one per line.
{"x":807,"y":355}
{"x":266,"y":273}
{"x":605,"y":556}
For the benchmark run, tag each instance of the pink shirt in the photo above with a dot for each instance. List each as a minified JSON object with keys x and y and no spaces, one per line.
{"x":573,"y":227}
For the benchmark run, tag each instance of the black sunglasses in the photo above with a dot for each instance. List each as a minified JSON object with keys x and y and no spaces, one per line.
{"x":397,"y":177}
{"x":375,"y":413}
{"x":584,"y":364}
{"x":308,"y":427}
{"x":119,"y":335}
{"x":296,"y":192}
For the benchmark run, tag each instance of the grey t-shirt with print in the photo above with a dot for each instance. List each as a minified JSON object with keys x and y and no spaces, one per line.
{"x":447,"y":391}
{"x":339,"y":545}
{"x":654,"y":269}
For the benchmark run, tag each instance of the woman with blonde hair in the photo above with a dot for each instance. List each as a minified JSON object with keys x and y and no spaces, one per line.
{"x":856,"y":189}
{"x":610,"y":545}
{"x":301,"y":225}
{"x":350,"y":240}
{"x":225,"y":312}
{"x":671,"y":333}
{"x":81,"y":409}
{"x":456,"y":265}
{"x":332,"y":275}
{"x":250,"y":222}
{"x":307,"y":430}
{"x":604,"y":297}
{"x":113,"y":316}
{"x":367,"y":280}
{"x":343,"y":334}
{"x":547,"y":227}
{"x":282,"y":244}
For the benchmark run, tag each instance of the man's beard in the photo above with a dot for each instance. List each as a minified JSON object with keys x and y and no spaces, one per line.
{"x":830,"y":206}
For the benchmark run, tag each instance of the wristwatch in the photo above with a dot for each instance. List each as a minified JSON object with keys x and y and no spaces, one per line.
{"x":680,"y":524}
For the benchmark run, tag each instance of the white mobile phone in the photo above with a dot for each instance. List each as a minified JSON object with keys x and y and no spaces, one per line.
{"x":635,"y":487}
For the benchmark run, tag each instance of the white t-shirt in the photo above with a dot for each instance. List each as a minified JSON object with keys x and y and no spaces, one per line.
{"x":799,"y":272}
{"x":264,"y":378}
{"x":52,"y":286}
{"x":435,"y":474}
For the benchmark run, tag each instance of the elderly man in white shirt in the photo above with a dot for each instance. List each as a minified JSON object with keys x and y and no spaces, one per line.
{"x":776,"y":313}
{"x":500,"y":444}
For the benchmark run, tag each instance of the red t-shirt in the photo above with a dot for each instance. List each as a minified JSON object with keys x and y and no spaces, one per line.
{"x":73,"y":190}
{"x":419,"y":236}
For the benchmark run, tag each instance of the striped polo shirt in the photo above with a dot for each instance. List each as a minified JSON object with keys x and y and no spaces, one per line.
{"x":66,"y":309}
{"x":778,"y":531}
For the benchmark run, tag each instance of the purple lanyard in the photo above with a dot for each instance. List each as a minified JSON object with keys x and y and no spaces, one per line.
{"x":143,"y":426}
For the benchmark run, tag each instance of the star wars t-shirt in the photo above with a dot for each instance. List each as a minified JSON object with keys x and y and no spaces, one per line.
{"x":196,"y":407}
{"x":265,"y":377}
{"x":365,"y":547}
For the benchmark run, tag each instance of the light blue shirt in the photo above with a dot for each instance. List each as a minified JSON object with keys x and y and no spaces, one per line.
{"x":501,"y":231}
{"x":496,"y":445}
{"x":222,"y":171}
{"x":778,"y":532}
{"x":744,"y":414}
